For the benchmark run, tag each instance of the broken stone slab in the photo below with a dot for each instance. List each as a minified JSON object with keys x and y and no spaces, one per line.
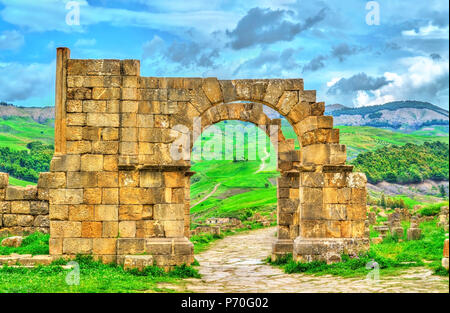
{"x":397,"y":232}
{"x":136,"y":261}
{"x":15,"y":241}
{"x":377,"y":240}
{"x":414,"y":233}
{"x":383,"y":230}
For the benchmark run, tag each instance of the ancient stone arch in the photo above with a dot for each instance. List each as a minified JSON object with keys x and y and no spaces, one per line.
{"x":114,"y":190}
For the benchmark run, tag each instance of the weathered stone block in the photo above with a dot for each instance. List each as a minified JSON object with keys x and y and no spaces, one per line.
{"x":106,"y":213}
{"x":20,"y":207}
{"x":173,"y":228}
{"x":66,"y":196}
{"x":77,"y":246}
{"x":92,"y":163}
{"x":5,"y":207}
{"x":91,"y":229}
{"x":38,"y":207}
{"x":82,"y":179}
{"x":110,"y":229}
{"x":110,"y":196}
{"x":59,"y":212}
{"x":65,"y":229}
{"x":130,"y":212}
{"x":92,"y":195}
{"x":127,"y":229}
{"x":130,"y":246}
{"x":78,"y":147}
{"x":104,"y":245}
{"x":168,"y":211}
{"x":81,"y":212}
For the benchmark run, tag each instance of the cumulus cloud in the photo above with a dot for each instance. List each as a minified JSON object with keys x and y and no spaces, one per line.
{"x":181,"y":53}
{"x":343,"y":50}
{"x":424,"y":79}
{"x":265,"y":26}
{"x":315,"y":64}
{"x":11,"y":40}
{"x":33,"y":80}
{"x":340,"y":52}
{"x":357,"y":82}
{"x":429,"y":31}
{"x":49,"y":15}
{"x":269,"y":63}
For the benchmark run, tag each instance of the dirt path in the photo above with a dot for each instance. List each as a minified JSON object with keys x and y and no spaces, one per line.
{"x":208,"y":195}
{"x":235,"y":264}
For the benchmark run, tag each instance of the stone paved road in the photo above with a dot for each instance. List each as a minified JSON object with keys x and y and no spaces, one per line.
{"x":235,"y":264}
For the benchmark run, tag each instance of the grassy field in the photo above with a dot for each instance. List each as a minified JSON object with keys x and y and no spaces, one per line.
{"x":363,"y":139}
{"x":94,"y":277}
{"x":392,"y":255}
{"x":16,"y":132}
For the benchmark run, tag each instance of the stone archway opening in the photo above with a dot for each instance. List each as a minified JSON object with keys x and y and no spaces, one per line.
{"x":236,"y":187}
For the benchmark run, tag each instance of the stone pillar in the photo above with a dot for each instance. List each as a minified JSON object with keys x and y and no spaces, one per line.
{"x":332,"y":214}
{"x":62,"y":55}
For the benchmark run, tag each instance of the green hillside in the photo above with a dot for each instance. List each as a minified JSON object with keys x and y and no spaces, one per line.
{"x":16,"y":132}
{"x":360,"y":139}
{"x":405,"y":164}
{"x":239,"y":183}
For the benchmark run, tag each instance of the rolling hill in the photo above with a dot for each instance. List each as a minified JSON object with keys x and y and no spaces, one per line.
{"x":403,"y":116}
{"x":229,"y":187}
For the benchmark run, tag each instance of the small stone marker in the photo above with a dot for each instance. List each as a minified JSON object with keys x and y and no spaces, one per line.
{"x":445,"y":258}
{"x":414,"y":232}
{"x":15,"y":241}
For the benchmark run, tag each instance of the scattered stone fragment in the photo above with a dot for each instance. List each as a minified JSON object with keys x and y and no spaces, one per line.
{"x":15,"y":241}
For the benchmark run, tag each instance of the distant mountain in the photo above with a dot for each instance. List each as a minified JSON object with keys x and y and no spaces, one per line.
{"x":400,"y":115}
{"x":42,"y":115}
{"x":335,"y":107}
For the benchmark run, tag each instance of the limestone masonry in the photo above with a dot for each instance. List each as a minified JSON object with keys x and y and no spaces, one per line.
{"x":115,"y":191}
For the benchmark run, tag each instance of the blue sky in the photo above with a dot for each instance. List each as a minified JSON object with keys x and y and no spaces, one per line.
{"x":328,"y":43}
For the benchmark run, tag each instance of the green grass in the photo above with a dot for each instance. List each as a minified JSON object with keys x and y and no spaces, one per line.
{"x":391,"y":255}
{"x":364,"y":138}
{"x":432,"y":209}
{"x":18,"y":182}
{"x":36,"y":243}
{"x":95,"y":277}
{"x":16,"y":132}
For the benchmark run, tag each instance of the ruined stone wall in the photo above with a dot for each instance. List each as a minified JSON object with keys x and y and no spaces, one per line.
{"x":22,"y":209}
{"x":116,"y":189}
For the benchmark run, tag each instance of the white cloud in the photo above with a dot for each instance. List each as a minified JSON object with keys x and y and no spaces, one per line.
{"x":11,"y":40}
{"x":333,"y":81}
{"x":27,"y":81}
{"x":48,"y":15}
{"x":424,"y":80}
{"x":429,"y":32}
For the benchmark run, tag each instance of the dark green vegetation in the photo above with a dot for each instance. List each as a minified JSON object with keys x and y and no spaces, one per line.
{"x":405,"y":164}
{"x":432,"y":209}
{"x":391,"y":255}
{"x":26,"y":164}
{"x":94,"y":277}
{"x":36,"y":243}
